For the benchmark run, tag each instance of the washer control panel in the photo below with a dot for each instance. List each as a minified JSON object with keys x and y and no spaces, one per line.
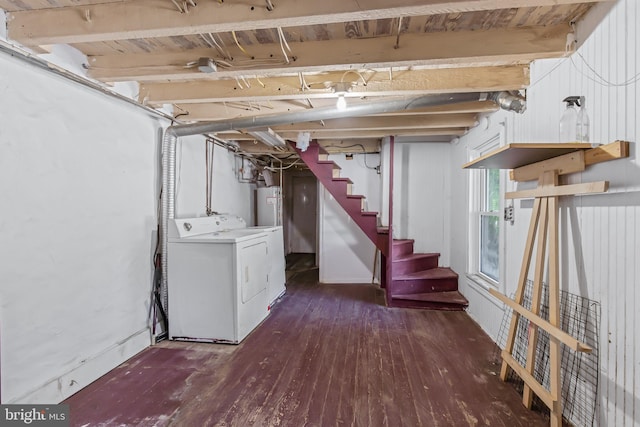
{"x":187,"y":227}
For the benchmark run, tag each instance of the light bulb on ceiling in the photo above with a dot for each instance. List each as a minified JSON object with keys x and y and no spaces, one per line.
{"x":341,"y":104}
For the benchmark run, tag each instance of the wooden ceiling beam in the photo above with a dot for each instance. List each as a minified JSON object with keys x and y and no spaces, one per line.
{"x":153,"y":18}
{"x":383,"y":123}
{"x":342,"y":134}
{"x":504,"y":46}
{"x":210,"y":112}
{"x":332,"y":146}
{"x":402,"y":83}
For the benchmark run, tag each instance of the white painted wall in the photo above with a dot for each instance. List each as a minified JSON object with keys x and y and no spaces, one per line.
{"x":346,"y":253}
{"x":79,"y":175}
{"x":600,"y":235}
{"x":421,"y":191}
{"x":228,"y":196}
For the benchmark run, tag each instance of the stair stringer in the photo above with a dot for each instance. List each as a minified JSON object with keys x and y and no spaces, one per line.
{"x":416,"y":281}
{"x":337,"y":187}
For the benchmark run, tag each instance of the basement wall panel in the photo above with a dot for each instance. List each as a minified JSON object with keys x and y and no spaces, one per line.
{"x":227,"y":196}
{"x":599,"y":234}
{"x":346,"y":253}
{"x":421,"y":196}
{"x":79,"y":182}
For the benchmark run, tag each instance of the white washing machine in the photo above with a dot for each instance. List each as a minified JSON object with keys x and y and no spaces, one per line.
{"x":218,"y":271}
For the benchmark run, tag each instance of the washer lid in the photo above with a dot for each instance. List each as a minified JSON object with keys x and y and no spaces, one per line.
{"x":229,"y":236}
{"x":189,"y":227}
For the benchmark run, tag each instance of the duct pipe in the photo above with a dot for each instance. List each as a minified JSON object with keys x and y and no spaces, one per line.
{"x":509,"y":101}
{"x":174,"y":132}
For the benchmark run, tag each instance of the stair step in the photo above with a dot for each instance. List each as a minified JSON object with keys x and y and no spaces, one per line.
{"x":431,"y":274}
{"x":439,"y":279}
{"x":365,"y":213}
{"x":453,"y":300}
{"x":339,"y":179}
{"x":345,"y":183}
{"x":411,"y":263}
{"x":402,"y":247}
{"x":335,"y":168}
{"x":383,"y":230}
{"x":357,"y":198}
{"x":329,"y":162}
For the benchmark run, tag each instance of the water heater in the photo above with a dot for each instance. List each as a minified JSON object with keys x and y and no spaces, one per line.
{"x":268,"y":206}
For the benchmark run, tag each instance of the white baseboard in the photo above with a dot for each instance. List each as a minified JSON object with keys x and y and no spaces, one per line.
{"x":57,"y":389}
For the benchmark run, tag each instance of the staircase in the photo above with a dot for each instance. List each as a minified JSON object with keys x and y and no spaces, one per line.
{"x":410,"y":279}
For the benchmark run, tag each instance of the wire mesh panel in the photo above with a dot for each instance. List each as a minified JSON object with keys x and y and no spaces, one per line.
{"x":579,"y":317}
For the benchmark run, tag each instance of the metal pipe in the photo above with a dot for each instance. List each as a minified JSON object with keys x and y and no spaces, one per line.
{"x":510,"y":101}
{"x":174,"y":132}
{"x":326,"y":113}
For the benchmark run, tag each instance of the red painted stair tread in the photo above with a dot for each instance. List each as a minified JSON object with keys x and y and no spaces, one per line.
{"x":410,"y":257}
{"x":328,"y":162}
{"x":451,"y":297}
{"x":347,"y":180}
{"x":401,"y":241}
{"x":433,"y":273}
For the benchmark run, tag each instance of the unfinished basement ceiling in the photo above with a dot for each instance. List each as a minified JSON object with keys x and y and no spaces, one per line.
{"x":216,"y":59}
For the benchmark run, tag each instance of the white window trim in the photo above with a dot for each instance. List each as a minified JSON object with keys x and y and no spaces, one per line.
{"x":482,"y":281}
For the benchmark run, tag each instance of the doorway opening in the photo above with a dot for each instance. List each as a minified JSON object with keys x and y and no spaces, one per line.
{"x":301,"y":215}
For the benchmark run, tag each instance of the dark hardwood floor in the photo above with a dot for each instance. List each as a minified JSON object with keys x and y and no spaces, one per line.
{"x":328,"y":355}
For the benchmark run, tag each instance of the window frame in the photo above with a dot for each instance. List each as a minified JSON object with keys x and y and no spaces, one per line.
{"x":477,"y":190}
{"x":484,"y":211}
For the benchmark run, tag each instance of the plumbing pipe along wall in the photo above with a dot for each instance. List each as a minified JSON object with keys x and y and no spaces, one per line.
{"x":506,"y":100}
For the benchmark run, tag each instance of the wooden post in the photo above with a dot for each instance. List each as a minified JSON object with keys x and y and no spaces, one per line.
{"x":522,"y":282}
{"x":389,"y":260}
{"x":555,"y":384}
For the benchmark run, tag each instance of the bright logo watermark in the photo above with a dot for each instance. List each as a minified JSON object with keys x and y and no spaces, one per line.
{"x":34,"y":415}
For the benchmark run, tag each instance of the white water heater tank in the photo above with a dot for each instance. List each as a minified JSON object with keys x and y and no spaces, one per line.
{"x":268,"y":206}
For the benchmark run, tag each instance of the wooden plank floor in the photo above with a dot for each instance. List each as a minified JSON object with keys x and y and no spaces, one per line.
{"x":328,"y":355}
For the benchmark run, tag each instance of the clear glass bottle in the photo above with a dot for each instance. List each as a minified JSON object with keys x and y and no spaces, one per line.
{"x":582,"y":125}
{"x":569,"y":120}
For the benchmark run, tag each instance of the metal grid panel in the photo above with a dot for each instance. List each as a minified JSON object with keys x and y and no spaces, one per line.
{"x":579,"y":318}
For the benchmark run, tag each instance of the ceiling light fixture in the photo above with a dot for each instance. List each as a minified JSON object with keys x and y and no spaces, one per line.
{"x":341,"y":89}
{"x":267,"y":136}
{"x":207,"y":65}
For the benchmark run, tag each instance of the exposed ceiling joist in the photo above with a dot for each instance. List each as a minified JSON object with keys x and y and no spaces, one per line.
{"x":354,"y":135}
{"x":202,"y":111}
{"x":369,"y":84}
{"x":153,"y":18}
{"x":384,"y":123}
{"x":332,"y":146}
{"x":215,"y":60}
{"x":504,"y":46}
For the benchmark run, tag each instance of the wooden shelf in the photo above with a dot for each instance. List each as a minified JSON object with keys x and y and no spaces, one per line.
{"x":545,"y":163}
{"x":515,"y":155}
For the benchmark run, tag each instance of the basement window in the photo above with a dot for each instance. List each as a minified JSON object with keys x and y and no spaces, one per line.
{"x":485,"y":256}
{"x":489,"y":227}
